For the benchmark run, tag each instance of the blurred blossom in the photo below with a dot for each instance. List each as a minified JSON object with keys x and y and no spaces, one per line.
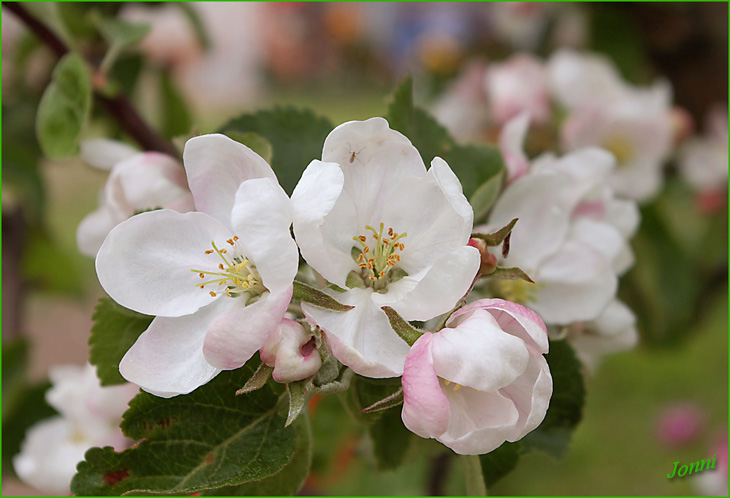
{"x":703,"y":160}
{"x":634,"y":124}
{"x":679,"y":424}
{"x":89,"y":415}
{"x":520,"y":24}
{"x":715,"y":481}
{"x":515,"y":85}
{"x":462,"y":109}
{"x":226,"y":75}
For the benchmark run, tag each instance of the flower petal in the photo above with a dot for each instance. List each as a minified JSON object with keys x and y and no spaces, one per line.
{"x":93,"y":229}
{"x":511,"y":144}
{"x":234,"y":337}
{"x":361,"y":338}
{"x":531,"y":394}
{"x":312,"y":200}
{"x":513,"y":318}
{"x":438,"y":290}
{"x":167,"y":359}
{"x":145,"y":262}
{"x":261,"y":218}
{"x":216,"y":166}
{"x":103,"y":153}
{"x":425,"y":407}
{"x":496,"y":358}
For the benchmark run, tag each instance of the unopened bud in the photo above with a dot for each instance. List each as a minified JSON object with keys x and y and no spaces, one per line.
{"x":293,"y":352}
{"x":488,"y":260}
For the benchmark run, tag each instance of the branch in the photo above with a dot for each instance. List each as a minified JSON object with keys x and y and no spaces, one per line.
{"x":118,"y":106}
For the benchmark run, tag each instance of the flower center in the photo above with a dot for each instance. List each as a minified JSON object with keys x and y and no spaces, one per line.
{"x":377,"y":263}
{"x":516,"y":290}
{"x":621,"y":148}
{"x":236,"y":274}
{"x":447,"y":383}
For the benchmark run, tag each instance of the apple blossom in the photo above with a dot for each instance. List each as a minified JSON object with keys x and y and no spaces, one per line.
{"x":480,"y":381}
{"x":218,"y":280}
{"x":89,"y":415}
{"x":292,"y":352}
{"x":516,"y":85}
{"x":137,"y":183}
{"x":511,"y":145}
{"x":463,"y":108}
{"x":372,"y":221}
{"x":571,"y":238}
{"x":703,"y":160}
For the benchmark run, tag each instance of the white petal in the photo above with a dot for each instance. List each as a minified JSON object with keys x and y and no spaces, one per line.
{"x":612,"y":331}
{"x":312,"y":200}
{"x":167,"y":359}
{"x":373,"y":158}
{"x":145,"y":263}
{"x":93,"y":229}
{"x":361,"y":338}
{"x":234,"y":337}
{"x":439,"y":290}
{"x":603,"y":237}
{"x":479,"y":354}
{"x":216,"y":166}
{"x":511,"y":143}
{"x":103,"y":153}
{"x":261,"y":218}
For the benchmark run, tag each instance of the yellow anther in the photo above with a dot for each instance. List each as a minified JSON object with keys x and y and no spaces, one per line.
{"x":209,"y":251}
{"x":235,"y":237}
{"x":212,"y":294}
{"x":224,"y":251}
{"x":228,"y":293}
{"x":371,"y":278}
{"x":202,"y":286}
{"x":202,"y":275}
{"x":360,"y":258}
{"x":221,"y":266}
{"x":245,"y":285}
{"x":390,"y":232}
{"x":230,"y":241}
{"x":365,"y":249}
{"x":447,"y":382}
{"x":457,"y":387}
{"x":382,"y":273}
{"x":362,"y":238}
{"x":363,"y":265}
{"x":391,"y":262}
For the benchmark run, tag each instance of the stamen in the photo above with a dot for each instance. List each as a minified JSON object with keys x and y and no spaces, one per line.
{"x":212,"y":294}
{"x":202,"y":275}
{"x":209,"y":251}
{"x":230,"y":241}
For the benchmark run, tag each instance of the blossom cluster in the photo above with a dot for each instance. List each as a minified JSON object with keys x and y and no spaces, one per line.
{"x":371,"y":221}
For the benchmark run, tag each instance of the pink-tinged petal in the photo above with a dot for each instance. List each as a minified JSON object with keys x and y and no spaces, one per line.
{"x":167,"y":359}
{"x":480,"y":421}
{"x":575,"y":284}
{"x":511,"y":143}
{"x":624,"y":215}
{"x":612,"y":331}
{"x":361,"y":338}
{"x":103,"y":153}
{"x":313,"y":199}
{"x":147,"y":181}
{"x":373,"y":158}
{"x":295,"y":357}
{"x":478,"y":354}
{"x":513,"y":318}
{"x":216,"y":166}
{"x":261,"y":218}
{"x":438,"y":291}
{"x":578,"y":79}
{"x":603,"y":237}
{"x":233,"y":338}
{"x":146,"y":262}
{"x":93,"y":229}
{"x":425,"y":407}
{"x":531,"y":395}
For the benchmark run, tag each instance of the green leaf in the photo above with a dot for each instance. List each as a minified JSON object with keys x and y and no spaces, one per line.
{"x":115,"y":330}
{"x":296,"y":137}
{"x":121,"y":34}
{"x":64,"y":108}
{"x":500,"y":462}
{"x":298,"y":397}
{"x":290,"y":479}
{"x":405,"y":330}
{"x":307,"y":294}
{"x":391,"y":440}
{"x":475,"y":165}
{"x":425,"y":133}
{"x":196,"y":23}
{"x":208,"y":439}
{"x":485,"y":196}
{"x":176,"y":117}
{"x":258,"y":380}
{"x":126,"y":71}
{"x":255,"y":142}
{"x":566,"y":405}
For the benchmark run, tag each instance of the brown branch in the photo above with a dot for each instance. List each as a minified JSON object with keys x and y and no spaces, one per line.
{"x":118,"y":106}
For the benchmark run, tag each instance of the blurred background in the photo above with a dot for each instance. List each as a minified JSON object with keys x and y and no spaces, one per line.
{"x":202,"y":64}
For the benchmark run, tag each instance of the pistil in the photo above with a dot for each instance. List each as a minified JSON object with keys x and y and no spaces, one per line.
{"x":236,"y":276}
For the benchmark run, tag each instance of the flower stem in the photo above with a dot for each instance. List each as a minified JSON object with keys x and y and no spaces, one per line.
{"x":473,"y":477}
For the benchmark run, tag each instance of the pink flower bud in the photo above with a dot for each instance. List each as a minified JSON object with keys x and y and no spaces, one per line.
{"x":488,"y":260}
{"x":292,"y":351}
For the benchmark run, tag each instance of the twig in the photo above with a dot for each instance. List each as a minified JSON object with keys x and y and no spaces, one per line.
{"x":118,"y":106}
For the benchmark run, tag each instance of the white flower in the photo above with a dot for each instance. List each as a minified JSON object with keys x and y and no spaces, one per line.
{"x":612,"y":331}
{"x":371,"y":220}
{"x":703,"y":160}
{"x":138,"y":182}
{"x":516,"y":85}
{"x":480,"y":381}
{"x":578,"y":79}
{"x":89,"y":416}
{"x":511,"y":145}
{"x":571,"y":237}
{"x":463,"y":108}
{"x":219,"y":280}
{"x":292,"y":351}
